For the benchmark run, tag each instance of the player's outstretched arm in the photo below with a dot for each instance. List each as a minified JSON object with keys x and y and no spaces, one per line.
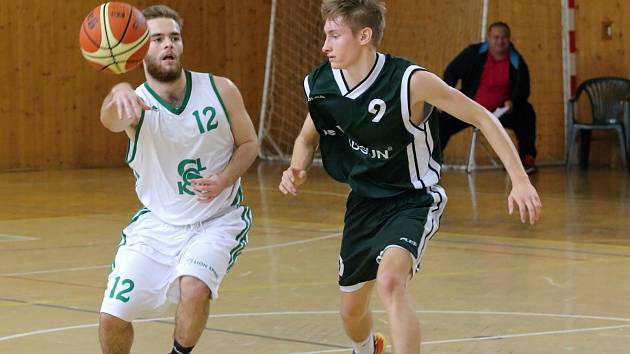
{"x":430,"y":88}
{"x":122,"y":108}
{"x":245,"y":142}
{"x":303,"y":151}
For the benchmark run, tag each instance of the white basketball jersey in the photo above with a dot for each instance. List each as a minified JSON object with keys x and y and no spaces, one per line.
{"x":173,"y":146}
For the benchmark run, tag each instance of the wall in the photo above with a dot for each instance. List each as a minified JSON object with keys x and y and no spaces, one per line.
{"x":602,"y":57}
{"x":50,"y":97}
{"x":433,"y":33}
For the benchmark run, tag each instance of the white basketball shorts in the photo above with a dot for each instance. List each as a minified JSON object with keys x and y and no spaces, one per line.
{"x":153,"y":255}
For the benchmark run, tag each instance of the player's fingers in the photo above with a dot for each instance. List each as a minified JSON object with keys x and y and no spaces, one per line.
{"x":143,"y":105}
{"x":289,"y":174}
{"x":537,"y":205}
{"x":120,"y":108}
{"x":289,"y":187}
{"x":131,"y":109}
{"x":138,"y":106}
{"x":522,"y":209}
{"x":538,"y":202}
{"x":287,"y":177}
{"x":510,"y":205}
{"x":198,"y":182}
{"x":534,"y":212}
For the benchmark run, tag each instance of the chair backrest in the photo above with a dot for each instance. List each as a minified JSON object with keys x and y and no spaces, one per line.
{"x":607,"y":96}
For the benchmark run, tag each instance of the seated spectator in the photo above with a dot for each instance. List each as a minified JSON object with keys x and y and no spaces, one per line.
{"x":496,"y":76}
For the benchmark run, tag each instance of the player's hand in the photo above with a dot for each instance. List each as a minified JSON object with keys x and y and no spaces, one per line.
{"x":524,"y":195}
{"x":291,"y":179}
{"x":208,"y":188}
{"x":128,"y":104}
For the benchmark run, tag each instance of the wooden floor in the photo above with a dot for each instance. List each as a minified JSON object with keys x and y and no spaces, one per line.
{"x":489,"y":284}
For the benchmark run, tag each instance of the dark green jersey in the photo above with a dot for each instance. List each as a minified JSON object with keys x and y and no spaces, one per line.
{"x":366,"y":136}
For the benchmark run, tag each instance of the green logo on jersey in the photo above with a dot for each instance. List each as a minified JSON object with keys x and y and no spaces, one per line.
{"x":189,"y":170}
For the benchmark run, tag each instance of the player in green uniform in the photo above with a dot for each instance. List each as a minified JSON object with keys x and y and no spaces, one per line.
{"x":372,"y":117}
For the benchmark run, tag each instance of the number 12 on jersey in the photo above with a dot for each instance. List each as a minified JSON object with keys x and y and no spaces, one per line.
{"x":210,"y":124}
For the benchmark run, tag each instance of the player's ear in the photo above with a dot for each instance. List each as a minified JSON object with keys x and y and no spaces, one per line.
{"x":365,"y":35}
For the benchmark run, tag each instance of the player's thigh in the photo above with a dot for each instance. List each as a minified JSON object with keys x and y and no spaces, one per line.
{"x":137,"y":285}
{"x":211,"y":254}
{"x":413,"y":224}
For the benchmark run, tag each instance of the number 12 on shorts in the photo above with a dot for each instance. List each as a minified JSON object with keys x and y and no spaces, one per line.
{"x":126,"y":286}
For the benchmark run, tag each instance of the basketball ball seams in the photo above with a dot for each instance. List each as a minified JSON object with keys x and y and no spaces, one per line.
{"x":87,"y":35}
{"x":111,"y":43}
{"x":105,"y":16}
{"x":122,"y":36}
{"x":140,"y":42}
{"x":108,"y":66}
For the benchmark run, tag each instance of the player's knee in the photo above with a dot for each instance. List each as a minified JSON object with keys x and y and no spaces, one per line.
{"x":390,"y":285}
{"x":109,"y":324}
{"x":353,"y":312}
{"x":194,"y":290}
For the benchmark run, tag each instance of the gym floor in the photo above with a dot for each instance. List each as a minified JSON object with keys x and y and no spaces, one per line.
{"x":489,"y":283}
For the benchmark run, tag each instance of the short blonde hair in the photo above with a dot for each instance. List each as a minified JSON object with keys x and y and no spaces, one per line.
{"x":163,"y":11}
{"x":357,"y":14}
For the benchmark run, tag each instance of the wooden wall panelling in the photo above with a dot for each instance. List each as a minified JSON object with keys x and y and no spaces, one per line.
{"x":602,"y":57}
{"x":49,"y":114}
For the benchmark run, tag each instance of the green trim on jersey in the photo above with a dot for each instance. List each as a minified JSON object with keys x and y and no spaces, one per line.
{"x":138,"y":214}
{"x":242,"y":238}
{"x":123,"y":236}
{"x":238,"y":198}
{"x":167,"y":105}
{"x":135,"y":140}
{"x":214,"y":86}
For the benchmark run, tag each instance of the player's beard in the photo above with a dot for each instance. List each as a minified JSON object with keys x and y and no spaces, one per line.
{"x":163,"y":75}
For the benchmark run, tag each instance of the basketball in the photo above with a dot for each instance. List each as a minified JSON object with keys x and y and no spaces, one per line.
{"x":114,"y":37}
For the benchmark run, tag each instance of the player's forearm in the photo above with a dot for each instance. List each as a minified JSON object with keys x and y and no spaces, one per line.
{"x":121,"y":95}
{"x":109,"y":115}
{"x":242,"y":158}
{"x":503,"y":146}
{"x":303,"y":153}
{"x":110,"y":118}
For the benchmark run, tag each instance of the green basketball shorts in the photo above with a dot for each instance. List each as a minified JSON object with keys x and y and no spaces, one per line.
{"x":371,"y":226}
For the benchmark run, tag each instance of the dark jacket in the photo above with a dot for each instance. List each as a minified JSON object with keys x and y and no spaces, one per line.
{"x":468,"y":67}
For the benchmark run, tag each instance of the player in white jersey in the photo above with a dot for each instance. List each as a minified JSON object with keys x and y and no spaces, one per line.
{"x":190,"y":140}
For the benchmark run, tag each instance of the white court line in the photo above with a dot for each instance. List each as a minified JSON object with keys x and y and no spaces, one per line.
{"x":7,"y":238}
{"x":253,"y":249}
{"x":304,"y":191}
{"x":504,"y":336}
{"x":333,"y":235}
{"x":59,"y":270}
{"x":335,"y":312}
{"x":324,"y":351}
{"x":530,"y":334}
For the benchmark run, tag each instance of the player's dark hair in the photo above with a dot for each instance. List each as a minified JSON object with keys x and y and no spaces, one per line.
{"x":163,"y":11}
{"x":357,"y":14}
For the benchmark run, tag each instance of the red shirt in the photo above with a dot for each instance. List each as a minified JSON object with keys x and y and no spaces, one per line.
{"x":494,"y":85}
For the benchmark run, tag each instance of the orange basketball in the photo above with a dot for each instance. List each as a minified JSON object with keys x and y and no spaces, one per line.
{"x":114,"y":37}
